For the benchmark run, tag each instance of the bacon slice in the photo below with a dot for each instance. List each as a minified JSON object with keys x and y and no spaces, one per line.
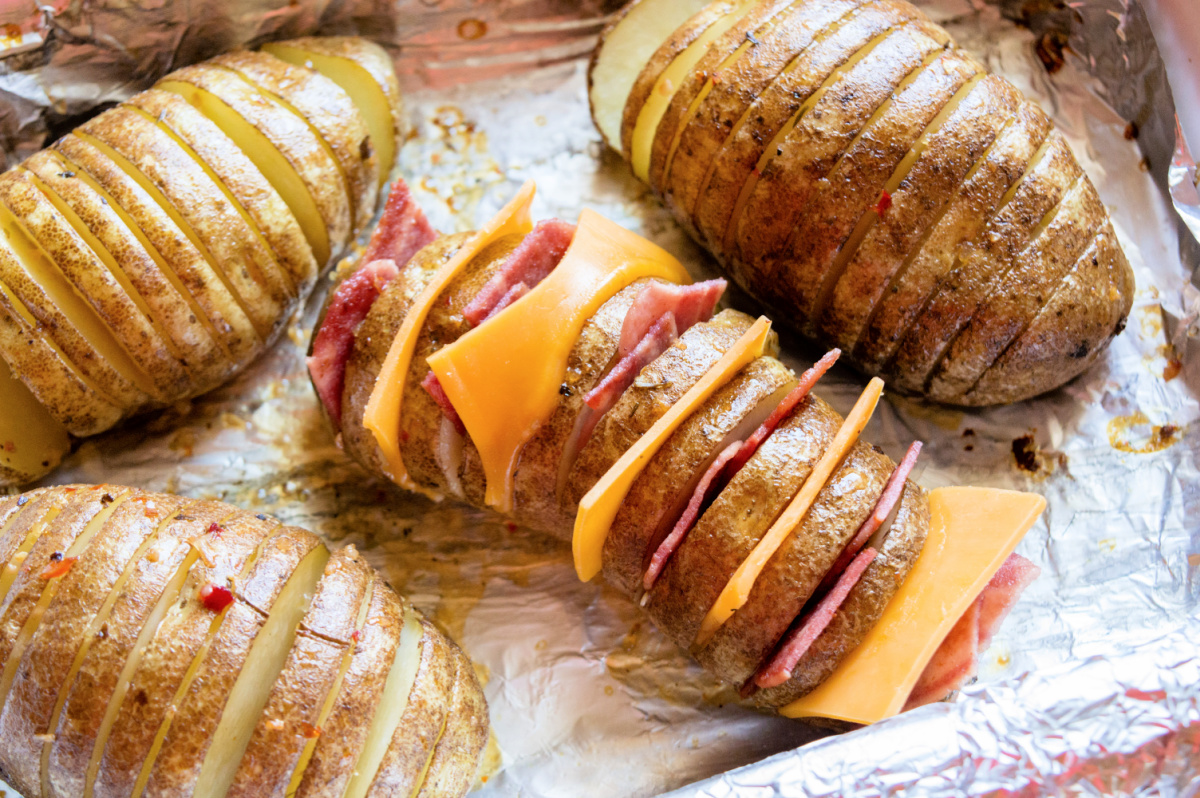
{"x":516,"y":292}
{"x":438,"y":394}
{"x":797,"y":642}
{"x":335,"y":339}
{"x":533,"y":259}
{"x":704,"y":491}
{"x":888,"y":499}
{"x":957,"y":658}
{"x":402,"y":232}
{"x":689,"y":304}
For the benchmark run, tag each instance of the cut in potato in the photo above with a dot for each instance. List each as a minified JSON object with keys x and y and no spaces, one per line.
{"x":283,"y":148}
{"x":328,"y":110}
{"x":364,"y":71}
{"x":150,"y":641}
{"x":644,"y":25}
{"x":32,"y":442}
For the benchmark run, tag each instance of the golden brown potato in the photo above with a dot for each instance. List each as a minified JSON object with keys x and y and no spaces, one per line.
{"x":152,"y":642}
{"x":851,"y":150}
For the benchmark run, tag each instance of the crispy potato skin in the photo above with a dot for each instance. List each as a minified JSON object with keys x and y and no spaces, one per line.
{"x":139,"y":543}
{"x":856,"y":99}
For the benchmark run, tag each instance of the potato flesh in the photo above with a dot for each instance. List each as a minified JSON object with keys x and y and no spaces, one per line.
{"x":627,"y":46}
{"x":388,"y":711}
{"x":267,"y":157}
{"x":668,"y":83}
{"x":63,"y":298}
{"x":31,"y":441}
{"x":364,"y":90}
{"x":253,"y":686}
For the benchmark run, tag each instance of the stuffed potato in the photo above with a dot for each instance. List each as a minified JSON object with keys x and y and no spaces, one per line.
{"x":157,"y":645}
{"x":154,"y":251}
{"x":869,"y":181}
{"x":733,"y":504}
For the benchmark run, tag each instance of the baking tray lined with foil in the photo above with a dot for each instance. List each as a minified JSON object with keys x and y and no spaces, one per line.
{"x":1092,"y":684}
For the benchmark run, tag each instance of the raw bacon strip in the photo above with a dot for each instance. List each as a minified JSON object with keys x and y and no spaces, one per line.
{"x":438,"y":394}
{"x":887,"y":502}
{"x":403,"y":230}
{"x":807,"y":380}
{"x":797,"y":642}
{"x":957,"y":658}
{"x":516,"y":292}
{"x":335,"y":339}
{"x":533,"y":259}
{"x":654,"y":342}
{"x":690,"y":513}
{"x":689,"y":304}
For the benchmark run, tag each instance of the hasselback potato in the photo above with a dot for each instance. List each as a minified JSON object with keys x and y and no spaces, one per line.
{"x":158,"y":645}
{"x":870,"y":182}
{"x":754,"y":468}
{"x":154,"y":251}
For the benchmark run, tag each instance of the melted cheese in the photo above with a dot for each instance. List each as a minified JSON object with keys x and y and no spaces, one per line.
{"x":599,"y":507}
{"x":382,"y":415}
{"x":971,"y":533}
{"x":504,"y":376}
{"x":737,"y":591}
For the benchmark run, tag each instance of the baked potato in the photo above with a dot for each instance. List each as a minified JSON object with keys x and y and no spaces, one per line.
{"x":158,"y":645}
{"x":151,"y":253}
{"x":720,"y":487}
{"x":872,"y":184}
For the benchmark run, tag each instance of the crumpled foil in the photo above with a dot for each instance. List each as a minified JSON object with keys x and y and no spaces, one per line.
{"x":1092,"y":685}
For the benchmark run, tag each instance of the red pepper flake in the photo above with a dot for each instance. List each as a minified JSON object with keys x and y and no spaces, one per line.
{"x":885,"y":202}
{"x":215,"y":597}
{"x":60,"y":567}
{"x":215,"y":530}
{"x":310,"y":731}
{"x":510,"y":526}
{"x":357,"y":635}
{"x":716,"y":78}
{"x":70,"y":490}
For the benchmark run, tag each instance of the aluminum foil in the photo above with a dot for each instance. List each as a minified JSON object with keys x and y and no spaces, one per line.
{"x":1093,"y":684}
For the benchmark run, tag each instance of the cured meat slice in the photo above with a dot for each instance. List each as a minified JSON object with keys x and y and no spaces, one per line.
{"x":403,"y":230}
{"x":957,"y":658}
{"x":438,"y":395}
{"x":533,"y":259}
{"x":688,"y":304}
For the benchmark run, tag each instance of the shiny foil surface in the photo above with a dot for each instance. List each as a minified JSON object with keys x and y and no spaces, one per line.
{"x":1092,"y":685}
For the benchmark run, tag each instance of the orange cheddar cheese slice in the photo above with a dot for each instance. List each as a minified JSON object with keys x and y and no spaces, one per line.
{"x":503,"y":377}
{"x":971,"y":533}
{"x":382,"y":414}
{"x":737,"y":590}
{"x":599,"y":506}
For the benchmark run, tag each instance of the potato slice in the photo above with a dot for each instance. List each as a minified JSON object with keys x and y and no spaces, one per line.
{"x":283,"y":148}
{"x":100,"y":281}
{"x":272,"y":644}
{"x":965,"y":214}
{"x":329,"y":112}
{"x":67,"y":626}
{"x":109,"y":662}
{"x":1016,"y":299}
{"x":364,"y":71}
{"x":832,"y":52}
{"x":807,"y":267}
{"x":197,"y":203}
{"x":625,"y":47}
{"x":157,"y":296}
{"x":66,"y":319}
{"x":796,"y":164}
{"x":32,"y":441}
{"x":168,"y":650}
{"x":23,"y":533}
{"x":181,"y":260}
{"x":293,"y":268}
{"x":658,"y":496}
{"x":1082,"y":315}
{"x":57,"y":384}
{"x":920,"y":189}
{"x":291,"y":720}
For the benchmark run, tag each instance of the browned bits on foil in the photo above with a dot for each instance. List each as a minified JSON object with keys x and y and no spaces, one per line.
{"x":472,"y":29}
{"x":1032,"y":460}
{"x":1130,"y":434}
{"x":1051,"y":48}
